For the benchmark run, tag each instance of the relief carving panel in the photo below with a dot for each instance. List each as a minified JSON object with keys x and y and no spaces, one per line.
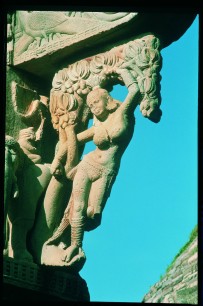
{"x":76,"y":189}
{"x":42,"y":32}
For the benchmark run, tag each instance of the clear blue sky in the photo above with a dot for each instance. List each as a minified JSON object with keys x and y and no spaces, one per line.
{"x":153,"y":205}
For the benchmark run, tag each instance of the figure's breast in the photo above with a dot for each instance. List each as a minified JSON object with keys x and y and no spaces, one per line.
{"x":120,"y":127}
{"x":101,"y":137}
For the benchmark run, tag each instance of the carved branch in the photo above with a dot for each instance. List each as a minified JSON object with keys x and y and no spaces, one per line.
{"x":72,"y":84}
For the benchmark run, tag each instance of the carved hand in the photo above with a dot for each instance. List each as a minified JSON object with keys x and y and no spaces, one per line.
{"x":57,"y":168}
{"x":127,"y":77}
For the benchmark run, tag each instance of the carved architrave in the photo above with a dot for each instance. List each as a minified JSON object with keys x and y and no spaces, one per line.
{"x":38,"y":33}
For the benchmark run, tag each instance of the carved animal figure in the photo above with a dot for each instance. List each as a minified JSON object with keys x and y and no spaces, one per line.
{"x":24,"y":184}
{"x":38,"y":24}
{"x":27,"y":141}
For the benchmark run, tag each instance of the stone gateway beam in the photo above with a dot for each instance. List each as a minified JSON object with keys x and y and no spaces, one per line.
{"x":61,"y":67}
{"x":65,"y":37}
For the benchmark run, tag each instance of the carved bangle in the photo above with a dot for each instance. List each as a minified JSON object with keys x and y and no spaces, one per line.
{"x":135,"y":81}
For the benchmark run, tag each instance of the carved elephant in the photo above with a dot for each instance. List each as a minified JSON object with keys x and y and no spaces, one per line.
{"x":24,"y":185}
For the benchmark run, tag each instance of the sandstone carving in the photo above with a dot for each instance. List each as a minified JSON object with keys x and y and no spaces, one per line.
{"x":26,"y":176}
{"x":75,"y":92}
{"x":36,"y":30}
{"x":25,"y":181}
{"x":49,"y":206}
{"x":76,"y":190}
{"x":61,"y":69}
{"x":30,"y":107}
{"x":97,"y":171}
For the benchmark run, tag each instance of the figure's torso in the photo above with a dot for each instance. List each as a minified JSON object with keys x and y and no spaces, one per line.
{"x":112,"y":138}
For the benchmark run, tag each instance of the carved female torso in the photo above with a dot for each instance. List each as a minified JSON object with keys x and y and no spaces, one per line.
{"x":117,"y":129}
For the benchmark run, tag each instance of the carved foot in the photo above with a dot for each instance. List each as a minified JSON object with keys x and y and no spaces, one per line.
{"x":70,"y":252}
{"x":72,"y":257}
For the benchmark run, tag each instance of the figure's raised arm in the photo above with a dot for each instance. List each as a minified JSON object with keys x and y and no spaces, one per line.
{"x":86,"y":135}
{"x":134,"y":96}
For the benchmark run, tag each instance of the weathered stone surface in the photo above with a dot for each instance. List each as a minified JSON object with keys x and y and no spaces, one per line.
{"x":179,"y":285}
{"x":43,"y":32}
{"x":51,"y":195}
{"x":187,"y":295}
{"x":83,"y":34}
{"x":41,"y":283}
{"x":21,"y":91}
{"x":73,"y":97}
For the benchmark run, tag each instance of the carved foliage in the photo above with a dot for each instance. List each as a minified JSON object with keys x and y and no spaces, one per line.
{"x":146,"y":63}
{"x":66,"y":100}
{"x":72,"y":84}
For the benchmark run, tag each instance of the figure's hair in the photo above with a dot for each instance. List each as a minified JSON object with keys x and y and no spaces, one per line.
{"x":112,"y":104}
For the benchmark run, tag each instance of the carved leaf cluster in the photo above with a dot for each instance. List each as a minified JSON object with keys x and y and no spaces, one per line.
{"x":146,"y":62}
{"x":141,"y":57}
{"x":69,"y":84}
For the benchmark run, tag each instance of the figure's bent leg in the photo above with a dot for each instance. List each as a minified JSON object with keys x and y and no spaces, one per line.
{"x":98,"y":196}
{"x":65,"y":223}
{"x":72,"y":152}
{"x":77,"y":233}
{"x":20,"y":228}
{"x":81,"y":187}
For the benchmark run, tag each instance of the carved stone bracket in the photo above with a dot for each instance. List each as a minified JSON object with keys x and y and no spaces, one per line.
{"x":138,"y":61}
{"x":71,"y":85}
{"x":50,"y":201}
{"x":70,"y":115}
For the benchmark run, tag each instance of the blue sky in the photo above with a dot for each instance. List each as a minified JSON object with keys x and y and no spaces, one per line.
{"x":153,"y":204}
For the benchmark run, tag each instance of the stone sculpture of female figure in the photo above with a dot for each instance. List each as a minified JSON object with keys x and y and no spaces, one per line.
{"x":112,"y":131}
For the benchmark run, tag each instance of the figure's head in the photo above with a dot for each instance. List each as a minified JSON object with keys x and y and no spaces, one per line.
{"x":101,"y":103}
